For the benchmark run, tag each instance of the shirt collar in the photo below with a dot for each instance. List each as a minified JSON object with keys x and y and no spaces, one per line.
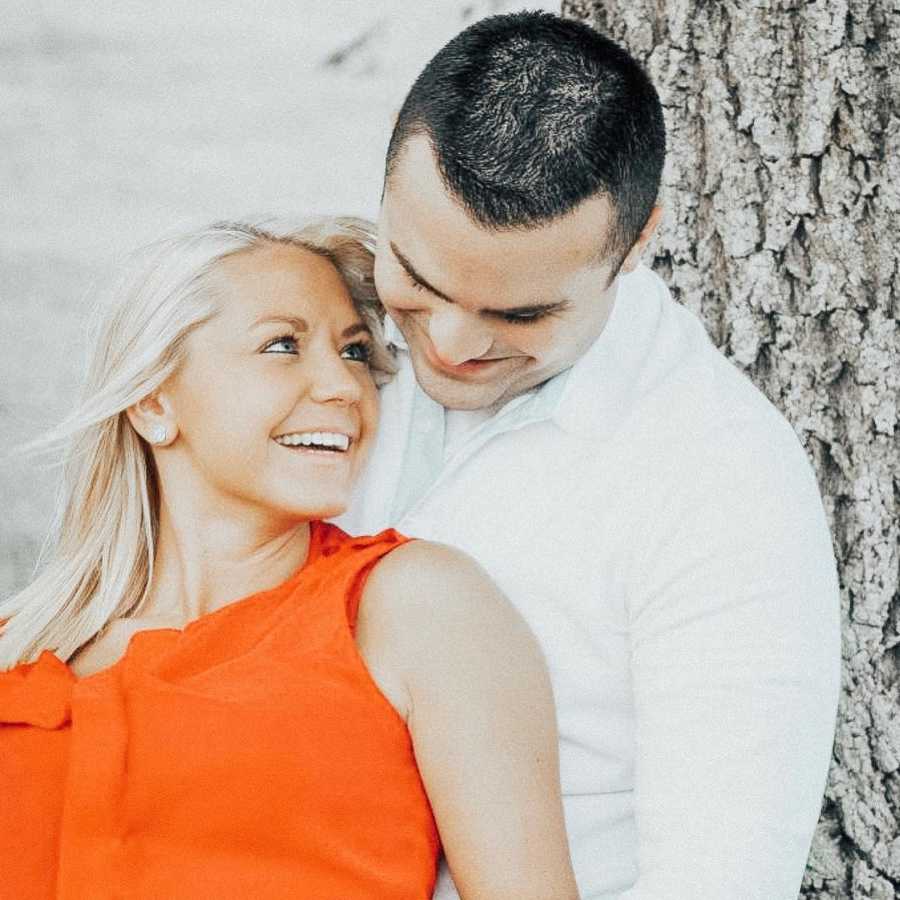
{"x":591,"y":398}
{"x":605,"y":381}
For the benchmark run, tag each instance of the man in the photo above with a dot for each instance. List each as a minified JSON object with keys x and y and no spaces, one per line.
{"x":560,"y":418}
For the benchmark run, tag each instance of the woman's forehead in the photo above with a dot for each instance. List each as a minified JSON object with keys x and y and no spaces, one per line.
{"x":286,"y":280}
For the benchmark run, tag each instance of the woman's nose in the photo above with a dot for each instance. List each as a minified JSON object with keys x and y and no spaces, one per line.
{"x":457,"y":336}
{"x":332,"y":381}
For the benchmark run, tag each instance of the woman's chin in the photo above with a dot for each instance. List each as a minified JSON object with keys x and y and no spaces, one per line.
{"x":310,"y":511}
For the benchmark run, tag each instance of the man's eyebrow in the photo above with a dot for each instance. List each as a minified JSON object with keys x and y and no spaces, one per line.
{"x":408,"y":268}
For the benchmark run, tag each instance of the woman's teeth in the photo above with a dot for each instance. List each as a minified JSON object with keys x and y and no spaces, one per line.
{"x":319,"y":440}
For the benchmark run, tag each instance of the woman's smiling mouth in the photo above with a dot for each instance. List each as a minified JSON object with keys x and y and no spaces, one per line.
{"x":316,"y":441}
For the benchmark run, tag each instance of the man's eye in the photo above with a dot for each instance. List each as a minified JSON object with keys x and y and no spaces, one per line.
{"x":358,"y":352}
{"x":524,"y":319}
{"x":414,"y":283}
{"x":286,"y":343}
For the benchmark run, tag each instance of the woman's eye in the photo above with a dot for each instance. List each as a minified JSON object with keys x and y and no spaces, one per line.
{"x":359,"y":352}
{"x":285,"y":344}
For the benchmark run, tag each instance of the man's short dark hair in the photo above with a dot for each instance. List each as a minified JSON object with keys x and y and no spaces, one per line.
{"x":529,"y":114}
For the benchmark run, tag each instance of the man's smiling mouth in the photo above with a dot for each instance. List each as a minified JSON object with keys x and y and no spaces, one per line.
{"x":469,"y":367}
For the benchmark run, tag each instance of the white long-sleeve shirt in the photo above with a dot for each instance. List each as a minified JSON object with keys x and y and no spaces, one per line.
{"x":658,"y":525}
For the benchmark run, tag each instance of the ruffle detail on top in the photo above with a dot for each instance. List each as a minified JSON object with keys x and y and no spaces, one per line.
{"x":39,"y":693}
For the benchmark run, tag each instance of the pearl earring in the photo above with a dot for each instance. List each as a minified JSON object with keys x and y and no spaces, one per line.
{"x":159,"y":434}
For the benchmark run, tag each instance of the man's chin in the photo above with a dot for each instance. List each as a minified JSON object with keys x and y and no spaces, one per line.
{"x":466,"y":397}
{"x":453,"y":394}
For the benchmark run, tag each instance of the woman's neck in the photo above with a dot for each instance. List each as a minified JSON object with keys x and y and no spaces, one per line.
{"x":203,"y":563}
{"x":207,"y":558}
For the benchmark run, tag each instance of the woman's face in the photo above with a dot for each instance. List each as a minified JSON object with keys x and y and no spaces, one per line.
{"x":275,"y":403}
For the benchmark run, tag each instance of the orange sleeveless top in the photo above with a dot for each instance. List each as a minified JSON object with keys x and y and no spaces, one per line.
{"x":249,"y":755}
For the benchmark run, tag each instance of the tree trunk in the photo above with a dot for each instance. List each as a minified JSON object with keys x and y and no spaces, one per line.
{"x":782,"y":192}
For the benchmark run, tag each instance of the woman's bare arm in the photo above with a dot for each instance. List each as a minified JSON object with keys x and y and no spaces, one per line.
{"x":460,"y":664}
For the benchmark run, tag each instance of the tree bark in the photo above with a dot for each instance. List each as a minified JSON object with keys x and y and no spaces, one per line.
{"x":782,"y":191}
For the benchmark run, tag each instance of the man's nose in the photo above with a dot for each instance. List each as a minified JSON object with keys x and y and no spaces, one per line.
{"x":457,"y":336}
{"x":331,"y":380}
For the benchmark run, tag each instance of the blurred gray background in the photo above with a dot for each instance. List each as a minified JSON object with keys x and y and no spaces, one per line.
{"x":123,"y":120}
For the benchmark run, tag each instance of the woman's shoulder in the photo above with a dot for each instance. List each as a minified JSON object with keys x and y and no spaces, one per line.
{"x":406,"y":574}
{"x":328,"y":539}
{"x":418,"y":573}
{"x":434,"y":629}
{"x":425,"y":596}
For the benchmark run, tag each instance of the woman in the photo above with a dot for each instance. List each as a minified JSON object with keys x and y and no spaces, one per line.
{"x":211,"y":692}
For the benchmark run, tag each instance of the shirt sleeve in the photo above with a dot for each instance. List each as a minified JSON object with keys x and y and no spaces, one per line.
{"x":736,"y":669}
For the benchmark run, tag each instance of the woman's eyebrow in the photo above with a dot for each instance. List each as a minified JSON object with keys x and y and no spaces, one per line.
{"x":299,"y":324}
{"x":295,"y":322}
{"x":358,"y":328}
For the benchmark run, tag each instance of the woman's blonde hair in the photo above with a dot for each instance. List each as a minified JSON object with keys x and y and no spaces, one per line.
{"x":100,"y":552}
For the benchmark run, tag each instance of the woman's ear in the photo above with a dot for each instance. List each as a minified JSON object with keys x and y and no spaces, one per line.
{"x":153,"y":419}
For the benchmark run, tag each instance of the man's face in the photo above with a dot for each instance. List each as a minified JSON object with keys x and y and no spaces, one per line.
{"x":487,"y":314}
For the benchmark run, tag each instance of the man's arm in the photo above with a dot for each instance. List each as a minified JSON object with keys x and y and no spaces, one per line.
{"x":736,"y":668}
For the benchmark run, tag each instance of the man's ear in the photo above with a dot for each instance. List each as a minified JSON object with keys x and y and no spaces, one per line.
{"x":634,"y":254}
{"x":154,"y":420}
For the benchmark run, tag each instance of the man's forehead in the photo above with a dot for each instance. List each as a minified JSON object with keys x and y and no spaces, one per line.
{"x":503,"y":270}
{"x":432,"y":228}
{"x":503,"y":294}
